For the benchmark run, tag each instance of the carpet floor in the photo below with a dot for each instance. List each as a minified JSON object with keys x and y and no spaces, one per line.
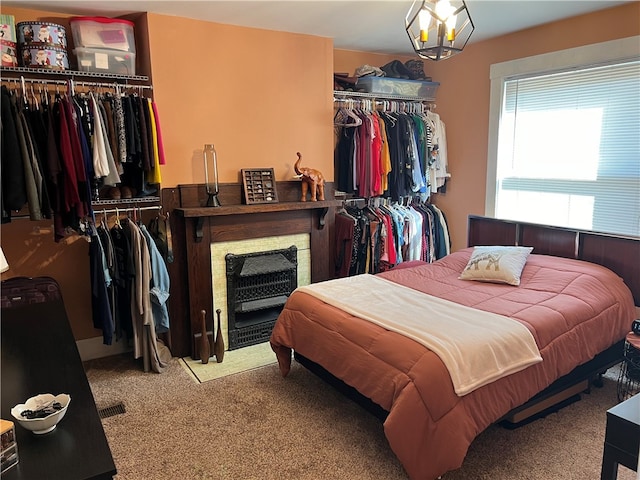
{"x":258,"y":425}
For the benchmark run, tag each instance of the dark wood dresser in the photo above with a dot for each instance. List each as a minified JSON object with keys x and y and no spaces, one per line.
{"x":39,"y":355}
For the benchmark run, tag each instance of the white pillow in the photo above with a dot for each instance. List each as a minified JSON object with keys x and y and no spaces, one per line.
{"x":497,"y":264}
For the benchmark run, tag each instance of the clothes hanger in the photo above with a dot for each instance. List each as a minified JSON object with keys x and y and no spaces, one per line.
{"x":345,"y":117}
{"x":103,"y":219}
{"x":117,"y":223}
{"x":44,"y":94}
{"x":23,"y":91}
{"x":36,"y":104}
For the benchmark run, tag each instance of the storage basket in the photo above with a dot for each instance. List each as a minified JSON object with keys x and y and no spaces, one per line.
{"x":629,"y":377}
{"x":397,"y":86}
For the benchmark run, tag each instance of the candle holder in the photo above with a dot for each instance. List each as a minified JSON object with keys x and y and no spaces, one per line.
{"x":211,"y":175}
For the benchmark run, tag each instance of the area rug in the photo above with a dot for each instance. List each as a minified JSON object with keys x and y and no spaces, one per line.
{"x":234,"y":361}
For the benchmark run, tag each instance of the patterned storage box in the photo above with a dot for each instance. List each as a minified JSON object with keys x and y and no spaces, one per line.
{"x":8,"y":28}
{"x":9,"y":447}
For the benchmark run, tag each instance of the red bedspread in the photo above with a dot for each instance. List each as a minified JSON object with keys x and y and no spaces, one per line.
{"x":573,"y":309}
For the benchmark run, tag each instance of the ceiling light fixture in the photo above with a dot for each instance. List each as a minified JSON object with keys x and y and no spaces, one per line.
{"x":438,"y":29}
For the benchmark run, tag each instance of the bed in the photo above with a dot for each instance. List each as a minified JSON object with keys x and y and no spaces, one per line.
{"x":576,"y":299}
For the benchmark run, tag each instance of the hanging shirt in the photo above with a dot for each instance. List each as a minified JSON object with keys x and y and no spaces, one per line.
{"x":100,"y":163}
{"x":160,"y":284}
{"x":154,"y":175}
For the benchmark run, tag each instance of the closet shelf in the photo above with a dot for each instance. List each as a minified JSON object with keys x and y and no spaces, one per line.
{"x":71,"y":74}
{"x":378,"y":96}
{"x":126,"y":201}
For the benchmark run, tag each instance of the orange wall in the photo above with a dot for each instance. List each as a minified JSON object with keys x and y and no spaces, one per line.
{"x":259,"y":105}
{"x":259,"y":96}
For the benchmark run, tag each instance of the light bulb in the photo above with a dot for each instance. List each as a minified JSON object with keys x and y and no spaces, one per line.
{"x":445,"y":10}
{"x":424,"y":20}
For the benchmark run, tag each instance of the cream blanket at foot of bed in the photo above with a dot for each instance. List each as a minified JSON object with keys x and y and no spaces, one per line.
{"x":477,"y":347}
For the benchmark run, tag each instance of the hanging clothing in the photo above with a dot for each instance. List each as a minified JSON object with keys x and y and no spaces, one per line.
{"x":14,"y":194}
{"x":130,"y":288}
{"x":375,"y":238}
{"x":438,"y":162}
{"x":56,"y":153}
{"x":345,"y":225}
{"x":100,"y":283}
{"x":32,"y":174}
{"x":391,"y":153}
{"x":160,"y":284}
{"x":145,"y":342}
{"x":154,"y":176}
{"x":123,"y":277}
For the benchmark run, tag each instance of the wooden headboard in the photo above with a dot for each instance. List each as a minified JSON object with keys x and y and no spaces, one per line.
{"x":618,"y":253}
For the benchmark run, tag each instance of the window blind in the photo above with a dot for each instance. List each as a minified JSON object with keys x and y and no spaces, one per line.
{"x":569,"y":149}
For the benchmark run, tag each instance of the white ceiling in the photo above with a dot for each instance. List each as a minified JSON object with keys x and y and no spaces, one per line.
{"x":367,"y":25}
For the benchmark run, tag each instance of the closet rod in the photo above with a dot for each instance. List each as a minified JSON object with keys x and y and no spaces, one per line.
{"x":95,"y":211}
{"x":82,"y":83}
{"x":381,"y":102}
{"x":125,"y":210}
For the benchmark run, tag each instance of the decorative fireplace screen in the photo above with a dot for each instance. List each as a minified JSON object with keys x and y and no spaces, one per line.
{"x":258,"y":285}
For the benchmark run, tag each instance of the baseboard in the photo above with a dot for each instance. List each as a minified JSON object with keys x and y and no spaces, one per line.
{"x":92,"y":348}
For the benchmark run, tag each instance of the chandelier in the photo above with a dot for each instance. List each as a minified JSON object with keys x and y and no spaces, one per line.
{"x":438,"y":29}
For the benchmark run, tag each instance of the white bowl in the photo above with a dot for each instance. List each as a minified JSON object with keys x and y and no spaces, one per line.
{"x":45,"y":424}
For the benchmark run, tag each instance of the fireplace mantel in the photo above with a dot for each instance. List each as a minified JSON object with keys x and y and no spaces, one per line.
{"x":195,"y":228}
{"x":202,"y":212}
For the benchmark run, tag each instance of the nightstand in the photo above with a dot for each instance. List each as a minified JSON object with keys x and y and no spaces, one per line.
{"x":622,"y":438}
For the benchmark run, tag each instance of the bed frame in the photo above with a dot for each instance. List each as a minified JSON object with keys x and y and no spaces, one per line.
{"x":620,"y":254}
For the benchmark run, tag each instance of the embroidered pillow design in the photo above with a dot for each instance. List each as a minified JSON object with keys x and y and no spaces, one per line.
{"x":497,"y":264}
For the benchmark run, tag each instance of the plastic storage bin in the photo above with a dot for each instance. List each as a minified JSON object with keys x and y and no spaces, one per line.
{"x":398,"y":86}
{"x":102,"y":32}
{"x":106,"y":61}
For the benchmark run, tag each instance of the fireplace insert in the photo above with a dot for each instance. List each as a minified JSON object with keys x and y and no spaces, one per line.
{"x":258,"y":285}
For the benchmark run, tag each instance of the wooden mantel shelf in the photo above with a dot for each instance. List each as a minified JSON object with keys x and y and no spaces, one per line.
{"x":200,"y":213}
{"x":255,"y":208}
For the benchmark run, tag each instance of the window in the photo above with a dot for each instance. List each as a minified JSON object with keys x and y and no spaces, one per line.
{"x":566,"y":150}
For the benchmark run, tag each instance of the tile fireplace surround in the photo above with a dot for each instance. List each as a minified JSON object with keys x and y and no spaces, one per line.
{"x":199,"y":232}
